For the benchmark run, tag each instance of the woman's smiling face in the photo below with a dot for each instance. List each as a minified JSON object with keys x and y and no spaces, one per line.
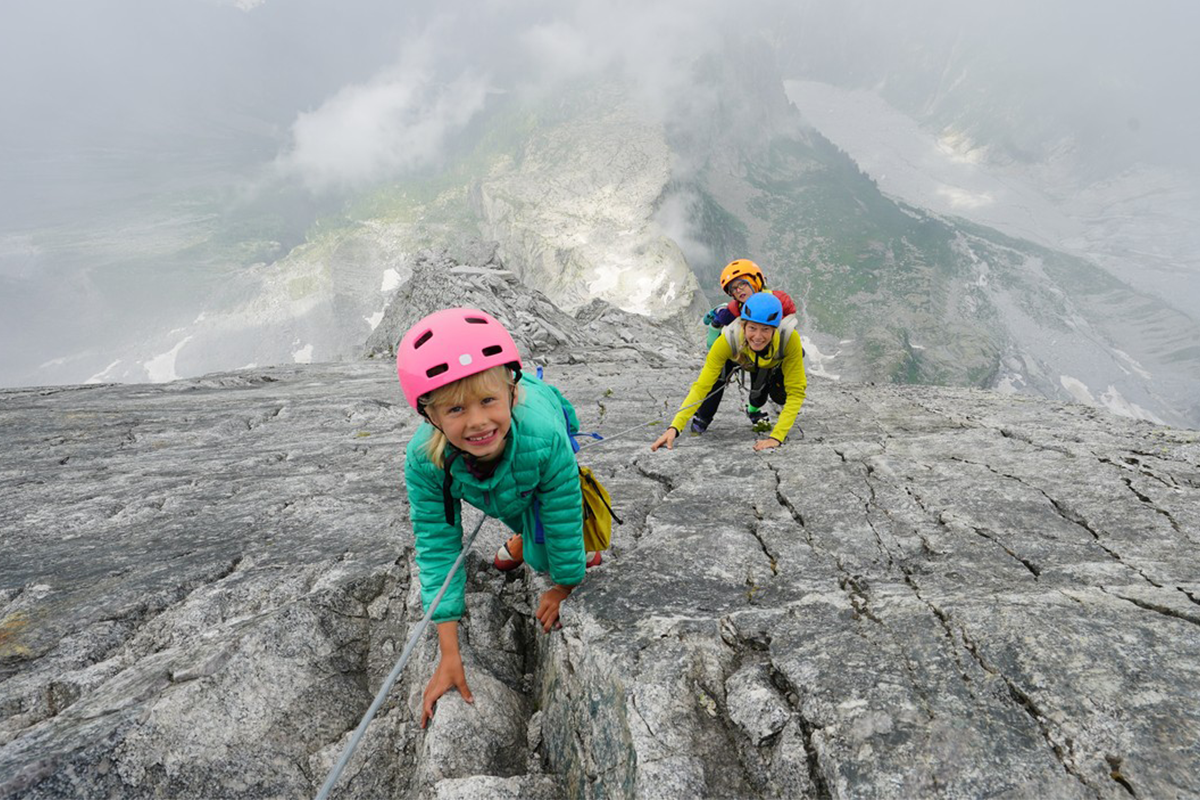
{"x":758,"y":336}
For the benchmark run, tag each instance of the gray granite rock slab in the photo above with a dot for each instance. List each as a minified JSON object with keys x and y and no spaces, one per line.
{"x":934,"y":592}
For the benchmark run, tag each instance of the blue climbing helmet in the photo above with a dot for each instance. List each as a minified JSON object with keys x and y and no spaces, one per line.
{"x":763,"y":308}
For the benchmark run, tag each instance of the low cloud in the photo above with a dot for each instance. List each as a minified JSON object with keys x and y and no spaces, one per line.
{"x":393,"y":124}
{"x":402,"y":118}
{"x":397,"y":121}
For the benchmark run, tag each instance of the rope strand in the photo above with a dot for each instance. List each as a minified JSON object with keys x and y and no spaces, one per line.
{"x":392,"y":677}
{"x":737,"y":370}
{"x":336,"y":772}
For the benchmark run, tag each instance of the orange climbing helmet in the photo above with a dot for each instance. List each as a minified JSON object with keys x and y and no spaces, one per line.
{"x":745,"y":269}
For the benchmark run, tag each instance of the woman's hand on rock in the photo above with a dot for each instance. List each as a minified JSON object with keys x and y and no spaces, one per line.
{"x":448,"y":675}
{"x":668,"y":438}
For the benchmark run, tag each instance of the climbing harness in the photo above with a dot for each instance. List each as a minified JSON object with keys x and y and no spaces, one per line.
{"x":386,"y":688}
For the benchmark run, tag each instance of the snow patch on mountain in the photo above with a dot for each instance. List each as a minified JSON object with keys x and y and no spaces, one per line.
{"x":161,"y":368}
{"x":1132,"y":363}
{"x":1111,"y":399}
{"x":1116,"y":403}
{"x":815,"y":361}
{"x":102,"y":375}
{"x":303,"y":355}
{"x":391,"y":281}
{"x":1077,"y":389}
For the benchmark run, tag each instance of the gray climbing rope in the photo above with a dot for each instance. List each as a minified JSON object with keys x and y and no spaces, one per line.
{"x":336,"y":772}
{"x":738,"y":369}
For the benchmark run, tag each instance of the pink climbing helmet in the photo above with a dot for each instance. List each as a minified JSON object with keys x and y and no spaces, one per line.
{"x":449,"y":345}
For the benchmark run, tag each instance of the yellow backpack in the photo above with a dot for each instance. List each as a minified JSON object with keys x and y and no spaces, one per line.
{"x":598,"y":515}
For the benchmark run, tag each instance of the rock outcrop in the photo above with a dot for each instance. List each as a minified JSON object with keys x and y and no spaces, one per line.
{"x":932,"y":592}
{"x":476,"y":278}
{"x":573,"y":210}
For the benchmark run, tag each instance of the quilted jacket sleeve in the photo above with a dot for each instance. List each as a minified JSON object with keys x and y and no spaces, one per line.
{"x":437,"y":544}
{"x":562,"y":516}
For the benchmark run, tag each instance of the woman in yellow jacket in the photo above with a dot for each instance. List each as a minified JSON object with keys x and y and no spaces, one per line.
{"x":767,"y":345}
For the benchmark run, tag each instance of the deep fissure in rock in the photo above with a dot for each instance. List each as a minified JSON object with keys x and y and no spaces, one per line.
{"x":1157,"y":609}
{"x":1026,"y":703}
{"x":808,"y":729}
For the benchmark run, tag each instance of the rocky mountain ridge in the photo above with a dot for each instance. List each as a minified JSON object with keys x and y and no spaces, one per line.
{"x":475,"y":277}
{"x":589,"y":195}
{"x":895,"y":292}
{"x":932,"y":592}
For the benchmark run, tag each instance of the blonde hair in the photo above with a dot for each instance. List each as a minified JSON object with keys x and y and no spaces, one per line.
{"x":490,"y":381}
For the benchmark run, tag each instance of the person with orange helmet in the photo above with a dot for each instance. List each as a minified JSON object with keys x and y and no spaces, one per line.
{"x":740,"y":279}
{"x":500,"y":440}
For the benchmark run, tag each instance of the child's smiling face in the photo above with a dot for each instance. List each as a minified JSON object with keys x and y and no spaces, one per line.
{"x":479,"y":422}
{"x":741,"y":290}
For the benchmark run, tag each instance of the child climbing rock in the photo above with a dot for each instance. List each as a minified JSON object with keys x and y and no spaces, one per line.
{"x":740,"y":279}
{"x":767,"y":345}
{"x":498,"y":439}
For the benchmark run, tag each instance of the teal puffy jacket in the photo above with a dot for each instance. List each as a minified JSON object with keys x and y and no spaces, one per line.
{"x":537,"y":479}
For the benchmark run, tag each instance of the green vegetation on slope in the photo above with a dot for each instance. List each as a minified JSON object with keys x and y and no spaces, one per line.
{"x":865,"y":268}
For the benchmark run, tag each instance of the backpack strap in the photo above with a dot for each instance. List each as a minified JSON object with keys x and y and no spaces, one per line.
{"x":575,"y":447}
{"x":790,"y":323}
{"x":539,"y":530}
{"x":731,"y":337}
{"x":447,"y":500}
{"x":587,"y":476}
{"x":786,"y":326}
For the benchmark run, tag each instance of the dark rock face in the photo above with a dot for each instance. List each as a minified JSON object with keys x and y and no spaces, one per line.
{"x":544,"y":333}
{"x":935,"y":592}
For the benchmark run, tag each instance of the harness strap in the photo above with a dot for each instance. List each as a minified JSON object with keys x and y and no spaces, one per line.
{"x":539,"y":531}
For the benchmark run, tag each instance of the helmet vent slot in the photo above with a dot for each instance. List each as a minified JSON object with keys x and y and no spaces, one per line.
{"x":475,"y":320}
{"x":435,"y":371}
{"x":422,"y":339}
{"x":493,"y":350}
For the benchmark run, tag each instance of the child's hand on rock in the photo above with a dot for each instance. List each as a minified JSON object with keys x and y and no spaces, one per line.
{"x":547,"y":612}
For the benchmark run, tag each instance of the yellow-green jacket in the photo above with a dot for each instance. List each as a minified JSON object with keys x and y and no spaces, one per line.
{"x":784,"y":351}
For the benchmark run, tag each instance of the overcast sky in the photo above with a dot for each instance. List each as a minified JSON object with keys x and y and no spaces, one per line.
{"x":342,"y":92}
{"x":109,"y":105}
